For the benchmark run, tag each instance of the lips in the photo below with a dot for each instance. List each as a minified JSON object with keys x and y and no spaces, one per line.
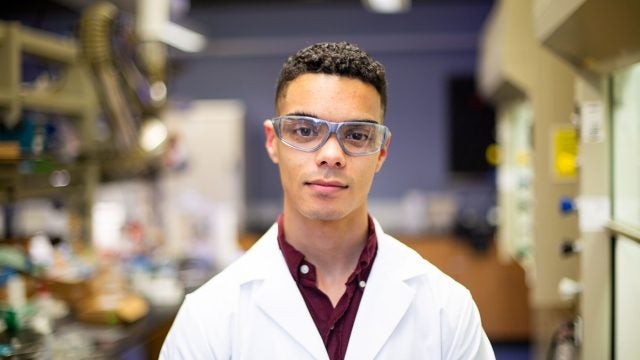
{"x":326,"y":183}
{"x":326,"y":186}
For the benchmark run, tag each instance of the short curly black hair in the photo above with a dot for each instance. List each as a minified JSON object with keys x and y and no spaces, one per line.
{"x":342,"y":58}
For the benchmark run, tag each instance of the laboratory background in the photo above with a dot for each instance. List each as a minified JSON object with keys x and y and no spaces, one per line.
{"x":133,"y":168}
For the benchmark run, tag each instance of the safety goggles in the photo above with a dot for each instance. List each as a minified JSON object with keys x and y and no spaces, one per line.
{"x":356,"y":138}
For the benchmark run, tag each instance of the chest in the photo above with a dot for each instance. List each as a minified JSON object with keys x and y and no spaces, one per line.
{"x":261,"y":334}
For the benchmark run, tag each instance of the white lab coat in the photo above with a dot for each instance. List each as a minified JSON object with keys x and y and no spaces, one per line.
{"x":254,"y":310}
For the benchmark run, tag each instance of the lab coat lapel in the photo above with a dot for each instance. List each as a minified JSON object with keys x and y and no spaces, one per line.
{"x":385,"y":301}
{"x":280,"y":299}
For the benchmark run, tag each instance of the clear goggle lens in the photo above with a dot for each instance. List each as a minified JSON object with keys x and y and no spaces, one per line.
{"x":309,"y":134}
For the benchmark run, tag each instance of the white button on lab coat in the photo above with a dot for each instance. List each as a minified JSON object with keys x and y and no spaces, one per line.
{"x":254,"y":310}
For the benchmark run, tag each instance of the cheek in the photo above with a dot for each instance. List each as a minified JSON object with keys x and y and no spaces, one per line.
{"x":367,"y":172}
{"x":291,"y":168}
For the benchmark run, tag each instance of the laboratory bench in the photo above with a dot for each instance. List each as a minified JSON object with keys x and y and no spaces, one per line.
{"x":72,"y":339}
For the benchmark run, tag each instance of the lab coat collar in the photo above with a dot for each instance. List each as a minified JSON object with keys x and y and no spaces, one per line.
{"x":279,"y":297}
{"x":385,"y":300}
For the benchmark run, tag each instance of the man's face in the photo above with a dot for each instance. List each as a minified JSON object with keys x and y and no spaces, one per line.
{"x":326,"y":184}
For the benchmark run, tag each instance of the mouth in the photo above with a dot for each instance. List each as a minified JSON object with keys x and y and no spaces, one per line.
{"x":326,"y":186}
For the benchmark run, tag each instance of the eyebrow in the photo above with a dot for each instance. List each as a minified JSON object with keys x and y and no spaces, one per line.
{"x":302,"y":113}
{"x":306,"y":114}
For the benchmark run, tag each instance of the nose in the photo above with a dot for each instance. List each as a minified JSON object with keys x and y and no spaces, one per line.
{"x":331,"y":154}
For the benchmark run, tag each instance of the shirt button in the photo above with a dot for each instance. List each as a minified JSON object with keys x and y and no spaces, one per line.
{"x":362,"y":283}
{"x":304,"y":268}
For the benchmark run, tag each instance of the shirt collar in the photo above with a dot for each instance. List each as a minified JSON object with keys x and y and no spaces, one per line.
{"x":292,"y":256}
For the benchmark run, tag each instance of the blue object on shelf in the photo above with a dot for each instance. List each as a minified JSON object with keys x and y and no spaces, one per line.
{"x":567,"y":205}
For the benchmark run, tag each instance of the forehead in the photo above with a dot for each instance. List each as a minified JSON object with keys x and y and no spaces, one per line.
{"x":331,"y":97}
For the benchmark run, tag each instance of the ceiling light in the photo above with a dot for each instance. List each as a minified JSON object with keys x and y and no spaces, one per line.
{"x":387,"y":6}
{"x":153,"y":24}
{"x":182,"y":38}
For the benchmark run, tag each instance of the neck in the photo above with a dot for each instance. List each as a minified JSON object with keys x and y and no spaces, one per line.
{"x":332,"y":246}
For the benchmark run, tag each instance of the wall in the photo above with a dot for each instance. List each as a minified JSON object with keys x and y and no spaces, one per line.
{"x":420,"y":50}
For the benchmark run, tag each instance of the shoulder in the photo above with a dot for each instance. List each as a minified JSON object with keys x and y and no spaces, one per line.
{"x":447,"y":299}
{"x":419,"y":272}
{"x":206,"y":322}
{"x":438,"y":296}
{"x":225,"y":286}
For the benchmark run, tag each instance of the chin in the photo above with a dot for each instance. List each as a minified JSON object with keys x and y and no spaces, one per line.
{"x":324,"y":214}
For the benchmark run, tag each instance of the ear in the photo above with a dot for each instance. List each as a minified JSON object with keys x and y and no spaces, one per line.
{"x":382,"y":155}
{"x":271,"y":141}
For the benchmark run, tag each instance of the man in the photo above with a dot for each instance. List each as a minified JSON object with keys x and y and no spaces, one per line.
{"x":325,"y":282}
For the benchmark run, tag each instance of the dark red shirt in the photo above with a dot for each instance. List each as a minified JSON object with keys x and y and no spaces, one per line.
{"x":334,"y":324}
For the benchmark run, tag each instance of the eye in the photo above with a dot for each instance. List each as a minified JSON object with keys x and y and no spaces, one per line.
{"x":304,"y":131}
{"x":358,"y":133}
{"x":357,"y":136}
{"x":300,"y":131}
